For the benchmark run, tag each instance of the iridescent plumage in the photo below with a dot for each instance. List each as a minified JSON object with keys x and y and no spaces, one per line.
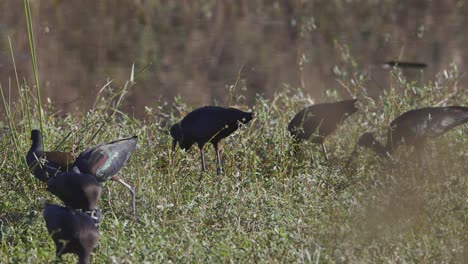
{"x":207,"y":124}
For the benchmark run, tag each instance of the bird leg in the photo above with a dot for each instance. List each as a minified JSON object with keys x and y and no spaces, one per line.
{"x":118,"y":179}
{"x":219,"y":169}
{"x":324,"y":150}
{"x":202,"y":159}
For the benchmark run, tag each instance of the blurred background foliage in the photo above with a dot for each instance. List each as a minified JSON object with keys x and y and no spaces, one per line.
{"x":197,"y":48}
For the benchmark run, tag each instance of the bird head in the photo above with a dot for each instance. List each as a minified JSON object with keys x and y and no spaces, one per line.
{"x":178,"y":137}
{"x":176,"y":132}
{"x":248,"y":116}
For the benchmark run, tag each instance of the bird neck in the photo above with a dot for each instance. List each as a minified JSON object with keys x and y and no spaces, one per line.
{"x":36,"y":145}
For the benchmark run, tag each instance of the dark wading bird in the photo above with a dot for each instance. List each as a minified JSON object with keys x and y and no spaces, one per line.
{"x":207,"y":124}
{"x":102,"y":161}
{"x":72,"y":232}
{"x":320,"y":120}
{"x":414,"y":128}
{"x":78,"y":191}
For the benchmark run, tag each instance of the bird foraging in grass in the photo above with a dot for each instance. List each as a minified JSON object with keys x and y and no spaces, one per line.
{"x":320,"y":120}
{"x":72,"y":231}
{"x":207,"y":124}
{"x":78,"y":191}
{"x":414,"y":128}
{"x":103,"y":161}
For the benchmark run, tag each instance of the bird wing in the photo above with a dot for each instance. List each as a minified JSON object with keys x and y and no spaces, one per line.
{"x":416,"y":125}
{"x":444,"y":119}
{"x":61,"y":158}
{"x":304,"y":123}
{"x":105,"y":160}
{"x":324,"y":117}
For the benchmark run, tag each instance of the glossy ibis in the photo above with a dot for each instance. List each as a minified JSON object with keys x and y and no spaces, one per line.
{"x":320,"y":120}
{"x":72,"y":232}
{"x":404,"y":64}
{"x":207,"y":124}
{"x":414,"y":128}
{"x":45,"y":164}
{"x":104,"y":161}
{"x":77,"y":190}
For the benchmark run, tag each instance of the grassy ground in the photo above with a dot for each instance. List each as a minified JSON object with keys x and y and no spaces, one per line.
{"x":271,"y":205}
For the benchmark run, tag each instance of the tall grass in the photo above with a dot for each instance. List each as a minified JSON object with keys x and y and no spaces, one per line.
{"x":271,"y":205}
{"x":32,"y":46}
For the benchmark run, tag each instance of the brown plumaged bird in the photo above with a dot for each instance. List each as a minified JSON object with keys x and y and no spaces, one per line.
{"x":72,"y":231}
{"x":78,"y":191}
{"x":415,"y":128}
{"x":102,"y":161}
{"x":207,"y":124}
{"x":320,"y":120}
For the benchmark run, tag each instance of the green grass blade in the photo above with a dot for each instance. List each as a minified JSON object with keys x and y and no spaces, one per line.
{"x":29,"y":25}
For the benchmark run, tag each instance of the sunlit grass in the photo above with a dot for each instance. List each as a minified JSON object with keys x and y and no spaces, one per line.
{"x":270,"y":205}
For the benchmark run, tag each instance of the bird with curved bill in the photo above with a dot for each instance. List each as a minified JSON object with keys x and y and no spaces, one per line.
{"x":316,"y":122}
{"x":77,"y":191}
{"x":207,"y":124}
{"x":414,"y":128}
{"x":72,"y":231}
{"x":104,"y":161}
